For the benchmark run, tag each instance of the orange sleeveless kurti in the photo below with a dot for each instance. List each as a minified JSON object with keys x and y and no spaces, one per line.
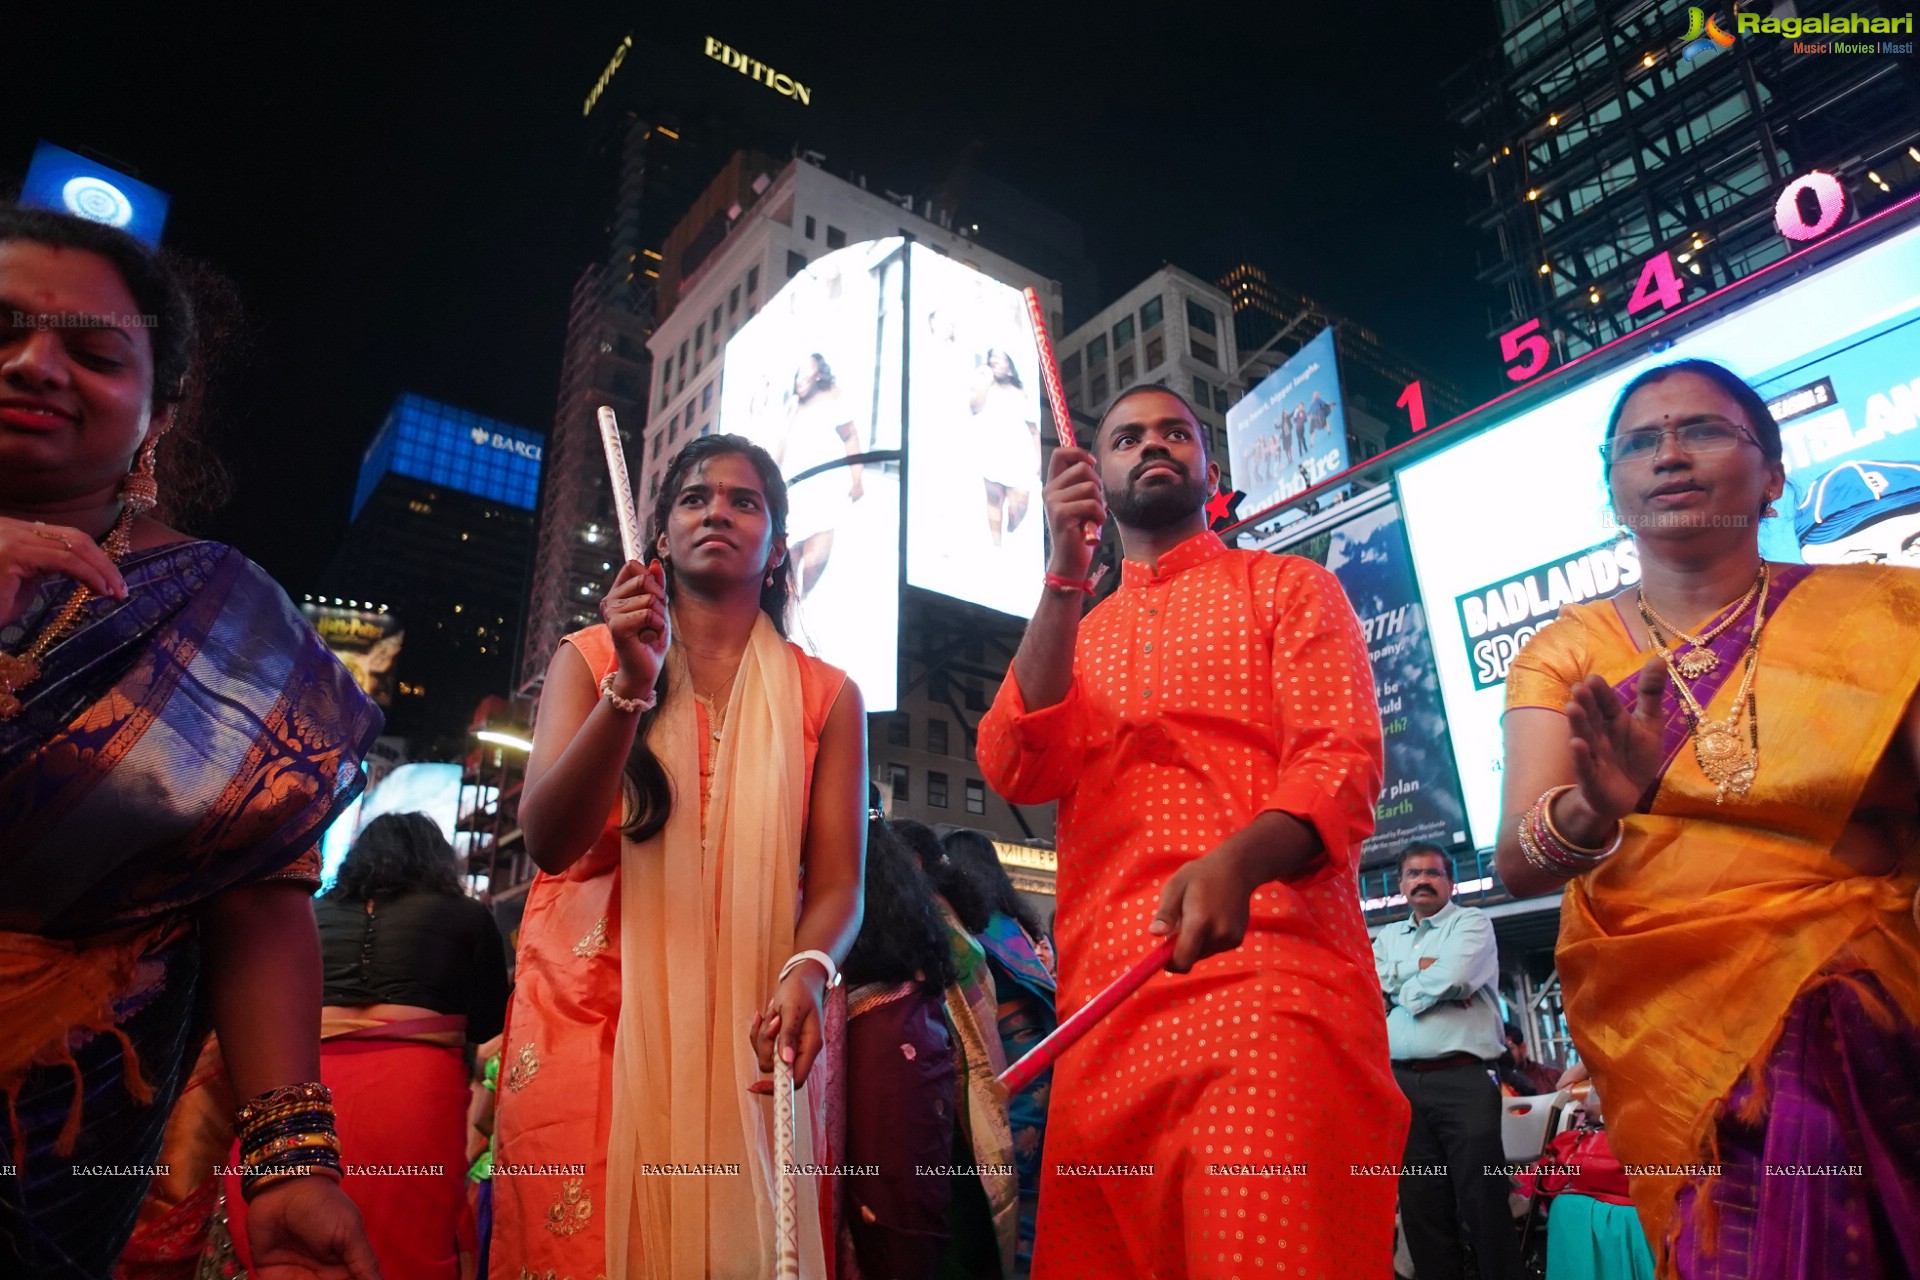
{"x":556,"y":1085}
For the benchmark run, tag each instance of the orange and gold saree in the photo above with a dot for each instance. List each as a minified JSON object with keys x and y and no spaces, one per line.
{"x":1712,"y":961}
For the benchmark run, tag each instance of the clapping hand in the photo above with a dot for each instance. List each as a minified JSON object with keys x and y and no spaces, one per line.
{"x":1616,"y":749}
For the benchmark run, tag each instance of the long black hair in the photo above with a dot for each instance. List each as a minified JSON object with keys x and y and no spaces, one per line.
{"x":966,"y":899}
{"x":397,"y":854}
{"x":976,"y":859}
{"x":902,"y":936}
{"x":647,"y":785}
{"x":192,"y":318}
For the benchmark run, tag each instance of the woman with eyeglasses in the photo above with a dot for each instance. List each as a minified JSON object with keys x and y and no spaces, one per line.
{"x":1719,"y":765}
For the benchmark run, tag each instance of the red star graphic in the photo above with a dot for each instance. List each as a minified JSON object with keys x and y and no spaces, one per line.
{"x":1223,"y":509}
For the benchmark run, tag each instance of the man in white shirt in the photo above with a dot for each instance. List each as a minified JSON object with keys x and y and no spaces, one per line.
{"x":1438,"y":970}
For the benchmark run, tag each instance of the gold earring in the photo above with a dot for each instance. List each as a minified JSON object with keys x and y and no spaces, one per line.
{"x":141,"y":490}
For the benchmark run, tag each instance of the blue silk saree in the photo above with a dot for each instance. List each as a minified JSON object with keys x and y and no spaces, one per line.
{"x":190,"y":739}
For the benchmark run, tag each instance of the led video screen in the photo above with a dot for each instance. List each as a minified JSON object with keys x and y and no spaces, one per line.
{"x":1290,"y":432}
{"x":1513,"y":522}
{"x":816,"y":379}
{"x":975,"y":527}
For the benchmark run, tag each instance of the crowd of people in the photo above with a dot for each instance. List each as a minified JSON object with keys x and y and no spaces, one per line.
{"x":208,"y":1073}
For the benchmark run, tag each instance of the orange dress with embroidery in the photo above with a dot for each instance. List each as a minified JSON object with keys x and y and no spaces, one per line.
{"x":1217,"y":1123}
{"x":556,"y":1081}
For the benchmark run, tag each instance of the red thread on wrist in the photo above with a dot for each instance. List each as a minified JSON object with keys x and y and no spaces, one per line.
{"x":1059,"y":582}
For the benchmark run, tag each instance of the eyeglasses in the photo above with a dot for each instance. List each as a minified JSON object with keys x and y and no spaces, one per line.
{"x":1698,"y":435}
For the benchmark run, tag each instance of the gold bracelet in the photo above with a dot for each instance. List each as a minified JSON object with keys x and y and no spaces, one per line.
{"x":309,"y":1093}
{"x":1578,"y":850}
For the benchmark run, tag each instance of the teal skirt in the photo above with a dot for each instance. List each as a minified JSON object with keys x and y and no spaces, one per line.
{"x":1589,"y":1239}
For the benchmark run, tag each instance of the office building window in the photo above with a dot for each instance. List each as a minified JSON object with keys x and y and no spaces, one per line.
{"x":836,"y":238}
{"x":899,"y":780}
{"x":713,"y":325}
{"x":1097,"y":352}
{"x":976,"y":796}
{"x":796,"y":263}
{"x":666,"y":376}
{"x":1152,"y":312}
{"x":899,"y":730}
{"x":733,"y":300}
{"x":706,"y":396}
{"x":1220,"y":399}
{"x":1202,"y":319}
{"x":753,"y":280}
{"x":1098,"y":392}
{"x":1202,"y":350}
{"x":1123,"y":372}
{"x":937,"y":790}
{"x":1070,"y":367}
{"x":699,"y":337}
{"x":1123,"y":332}
{"x":937,"y":736}
{"x":809,"y":226}
{"x":1156,"y":350}
{"x":1202,"y":391}
{"x":657,"y":437}
{"x":937,"y":686}
{"x":966,"y":744}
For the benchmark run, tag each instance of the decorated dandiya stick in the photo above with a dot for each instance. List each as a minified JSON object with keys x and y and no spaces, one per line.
{"x":1056,"y":391}
{"x":1043,"y":1055}
{"x":623,"y":506}
{"x":786,"y":1211}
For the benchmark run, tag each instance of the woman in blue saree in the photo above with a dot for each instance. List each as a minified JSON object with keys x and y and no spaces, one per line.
{"x":173,"y":742}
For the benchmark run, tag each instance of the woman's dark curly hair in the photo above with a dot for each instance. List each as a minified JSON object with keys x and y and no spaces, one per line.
{"x":194,"y":321}
{"x":902,"y":936}
{"x":971,"y":905}
{"x":974,"y":855}
{"x":647,"y":785}
{"x":397,"y":854}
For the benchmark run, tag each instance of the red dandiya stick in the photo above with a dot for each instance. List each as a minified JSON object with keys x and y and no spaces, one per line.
{"x":1043,"y":1055}
{"x":1056,"y":393}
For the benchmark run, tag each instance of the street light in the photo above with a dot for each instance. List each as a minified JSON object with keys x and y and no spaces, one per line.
{"x":500,"y":739}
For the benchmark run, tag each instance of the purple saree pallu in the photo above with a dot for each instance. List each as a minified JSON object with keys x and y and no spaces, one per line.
{"x":1826,"y":1185}
{"x":190,"y":739}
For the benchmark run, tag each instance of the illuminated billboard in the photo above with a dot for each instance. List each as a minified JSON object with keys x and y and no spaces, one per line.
{"x":367,"y":644}
{"x":975,"y":528}
{"x":1290,"y":432}
{"x":58,"y":179}
{"x":454,"y":447}
{"x":815,"y":378}
{"x":1512,"y":523}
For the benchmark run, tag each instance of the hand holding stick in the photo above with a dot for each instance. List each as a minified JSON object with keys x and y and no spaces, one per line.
{"x":786,"y":1213}
{"x":622,"y":487}
{"x":1043,"y":1055}
{"x":1056,"y":393}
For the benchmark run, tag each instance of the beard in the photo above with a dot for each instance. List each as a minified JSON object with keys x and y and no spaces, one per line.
{"x":1160,"y":503}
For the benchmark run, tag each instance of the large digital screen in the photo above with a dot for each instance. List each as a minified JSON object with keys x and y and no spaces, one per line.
{"x":975,"y":527}
{"x":58,"y":179}
{"x":367,"y":644}
{"x":455,"y":447}
{"x":1290,"y":432}
{"x":815,"y":378}
{"x":1512,"y":523}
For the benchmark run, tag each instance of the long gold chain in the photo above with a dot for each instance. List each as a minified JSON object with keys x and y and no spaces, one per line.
{"x":18,"y":670}
{"x":1727,"y":763}
{"x":1698,"y":660}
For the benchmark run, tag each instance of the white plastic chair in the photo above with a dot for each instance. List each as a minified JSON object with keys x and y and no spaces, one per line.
{"x":1525,"y":1124}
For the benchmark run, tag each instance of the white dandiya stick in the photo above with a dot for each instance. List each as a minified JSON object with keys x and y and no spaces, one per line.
{"x":786,"y":1214}
{"x":622,"y":487}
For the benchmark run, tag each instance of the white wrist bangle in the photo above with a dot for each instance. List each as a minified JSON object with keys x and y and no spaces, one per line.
{"x":826,"y":962}
{"x":626,"y":705}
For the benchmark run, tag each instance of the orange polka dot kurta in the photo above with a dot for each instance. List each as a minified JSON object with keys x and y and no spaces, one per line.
{"x":1211,"y":1125}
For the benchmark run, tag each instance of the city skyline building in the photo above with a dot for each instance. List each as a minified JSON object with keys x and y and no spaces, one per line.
{"x":441,"y":530}
{"x":1173,"y":328}
{"x":1605,"y":138}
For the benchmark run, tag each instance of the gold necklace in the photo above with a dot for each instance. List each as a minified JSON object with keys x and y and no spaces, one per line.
{"x":1698,"y":660}
{"x":18,"y":670}
{"x":1727,"y":762}
{"x":716,"y":713}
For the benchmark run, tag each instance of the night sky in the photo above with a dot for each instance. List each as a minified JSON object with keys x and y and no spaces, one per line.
{"x":396,"y":197}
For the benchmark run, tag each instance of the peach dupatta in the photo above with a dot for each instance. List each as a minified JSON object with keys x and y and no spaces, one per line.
{"x":707,"y":917}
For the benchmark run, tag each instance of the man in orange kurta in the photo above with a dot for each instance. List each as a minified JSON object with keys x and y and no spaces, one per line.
{"x":1211,"y":734}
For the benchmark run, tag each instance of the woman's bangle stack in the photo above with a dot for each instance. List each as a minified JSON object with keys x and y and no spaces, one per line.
{"x":287,"y":1133}
{"x":1551,"y":853}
